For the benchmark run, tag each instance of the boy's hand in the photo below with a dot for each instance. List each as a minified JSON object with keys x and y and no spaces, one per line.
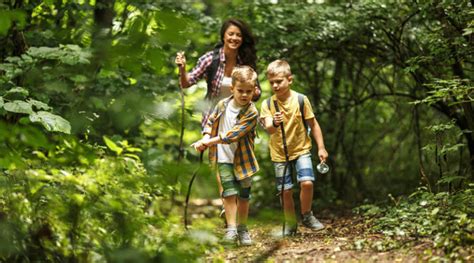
{"x":180,"y":60}
{"x":323,"y":155}
{"x":277,"y":119}
{"x":199,"y":146}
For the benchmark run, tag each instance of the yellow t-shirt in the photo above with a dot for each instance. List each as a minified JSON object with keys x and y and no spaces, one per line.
{"x":297,"y":139}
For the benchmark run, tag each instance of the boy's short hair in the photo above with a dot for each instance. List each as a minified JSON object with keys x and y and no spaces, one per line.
{"x":244,"y":74}
{"x":279,"y":66}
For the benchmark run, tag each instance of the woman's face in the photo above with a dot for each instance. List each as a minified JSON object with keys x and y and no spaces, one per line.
{"x":232,"y":37}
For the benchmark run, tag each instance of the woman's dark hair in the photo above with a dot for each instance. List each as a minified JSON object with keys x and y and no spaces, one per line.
{"x":247,"y":51}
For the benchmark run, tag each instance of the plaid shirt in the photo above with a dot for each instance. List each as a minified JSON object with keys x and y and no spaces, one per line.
{"x":198,"y":72}
{"x":243,"y":132}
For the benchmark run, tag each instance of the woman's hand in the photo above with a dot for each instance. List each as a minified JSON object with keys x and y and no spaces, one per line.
{"x":180,"y":60}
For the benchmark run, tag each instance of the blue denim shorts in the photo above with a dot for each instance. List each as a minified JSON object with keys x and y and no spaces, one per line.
{"x":230,"y":184}
{"x":304,"y":171}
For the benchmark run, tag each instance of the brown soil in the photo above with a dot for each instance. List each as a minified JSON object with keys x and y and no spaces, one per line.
{"x":337,"y":242}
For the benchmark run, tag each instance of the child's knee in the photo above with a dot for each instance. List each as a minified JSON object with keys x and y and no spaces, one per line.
{"x":244,"y":193}
{"x":288,"y":193}
{"x":306,"y":184}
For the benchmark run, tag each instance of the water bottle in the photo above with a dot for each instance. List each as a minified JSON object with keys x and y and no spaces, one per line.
{"x":322,"y":168}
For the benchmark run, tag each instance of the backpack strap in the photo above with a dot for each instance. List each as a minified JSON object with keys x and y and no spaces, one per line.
{"x":301,"y":103}
{"x":212,"y":70}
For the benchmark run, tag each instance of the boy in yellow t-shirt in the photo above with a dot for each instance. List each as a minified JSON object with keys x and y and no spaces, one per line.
{"x":298,"y":143}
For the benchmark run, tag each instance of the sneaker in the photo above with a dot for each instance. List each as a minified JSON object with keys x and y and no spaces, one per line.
{"x":244,"y":236}
{"x":230,"y":236}
{"x":310,"y":221}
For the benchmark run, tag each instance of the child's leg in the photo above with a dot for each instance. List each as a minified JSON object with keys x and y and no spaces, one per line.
{"x":304,"y":170}
{"x":243,"y":200}
{"x":229,"y":193}
{"x":243,"y":211}
{"x":289,"y":208}
{"x":230,"y":206}
{"x":306,"y":196}
{"x":288,"y":203}
{"x":305,"y":176}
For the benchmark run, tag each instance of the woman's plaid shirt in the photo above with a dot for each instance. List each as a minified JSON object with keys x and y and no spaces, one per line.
{"x":203,"y":63}
{"x":243,"y":132}
{"x":198,"y":72}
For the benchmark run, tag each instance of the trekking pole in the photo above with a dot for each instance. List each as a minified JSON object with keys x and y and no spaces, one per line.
{"x":287,"y":158}
{"x":189,"y":191}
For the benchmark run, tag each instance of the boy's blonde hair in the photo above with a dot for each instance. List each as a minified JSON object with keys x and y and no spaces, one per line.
{"x":244,"y":74}
{"x":279,"y":66}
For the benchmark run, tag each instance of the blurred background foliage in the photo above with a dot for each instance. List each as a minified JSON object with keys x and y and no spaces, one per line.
{"x":91,"y":167}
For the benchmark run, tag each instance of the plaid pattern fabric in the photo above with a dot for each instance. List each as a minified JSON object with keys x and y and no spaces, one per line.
{"x":198,"y":72}
{"x":243,"y":132}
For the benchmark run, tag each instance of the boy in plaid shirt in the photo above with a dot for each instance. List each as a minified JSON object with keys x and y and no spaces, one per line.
{"x":229,"y":134}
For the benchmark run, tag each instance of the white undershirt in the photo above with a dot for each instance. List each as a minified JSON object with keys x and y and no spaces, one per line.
{"x":225,"y":152}
{"x":225,"y":88}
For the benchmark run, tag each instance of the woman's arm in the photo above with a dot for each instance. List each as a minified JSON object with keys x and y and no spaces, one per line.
{"x":183,"y":75}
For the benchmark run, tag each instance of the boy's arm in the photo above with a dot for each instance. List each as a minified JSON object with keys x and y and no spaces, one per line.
{"x":318,"y":137}
{"x":204,"y":143}
{"x":271,"y":123}
{"x":243,"y":126}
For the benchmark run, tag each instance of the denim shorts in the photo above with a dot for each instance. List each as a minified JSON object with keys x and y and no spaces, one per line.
{"x":304,"y":171}
{"x":230,"y":184}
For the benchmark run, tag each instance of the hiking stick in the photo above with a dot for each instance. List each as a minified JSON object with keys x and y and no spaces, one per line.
{"x":189,"y":191}
{"x":181,"y":141}
{"x":287,"y":158}
{"x":181,"y":136}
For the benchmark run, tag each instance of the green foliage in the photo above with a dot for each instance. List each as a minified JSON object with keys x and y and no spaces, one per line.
{"x":455,"y":90}
{"x":8,"y":17}
{"x":442,"y":218}
{"x":100,"y":211}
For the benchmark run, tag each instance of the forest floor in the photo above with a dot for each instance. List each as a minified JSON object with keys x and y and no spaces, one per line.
{"x":345,"y":238}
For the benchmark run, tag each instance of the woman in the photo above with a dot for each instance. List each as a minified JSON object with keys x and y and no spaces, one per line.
{"x":237,"y":47}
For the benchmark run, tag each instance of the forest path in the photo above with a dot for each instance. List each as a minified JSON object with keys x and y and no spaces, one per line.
{"x":344,"y":239}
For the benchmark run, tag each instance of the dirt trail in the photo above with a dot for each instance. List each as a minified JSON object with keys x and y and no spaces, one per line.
{"x":344,"y":239}
{"x":335,"y":243}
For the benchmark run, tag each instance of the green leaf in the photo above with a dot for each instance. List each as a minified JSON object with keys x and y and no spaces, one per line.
{"x":39,"y":105}
{"x":112,"y":146}
{"x":79,"y":78}
{"x":18,"y":106}
{"x":450,"y":179}
{"x":5,"y":23}
{"x":18,"y":90}
{"x":8,"y":16}
{"x":51,"y":122}
{"x":1,"y":102}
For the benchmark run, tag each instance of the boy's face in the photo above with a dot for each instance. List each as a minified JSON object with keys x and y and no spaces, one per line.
{"x":243,"y":92}
{"x":280,"y":83}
